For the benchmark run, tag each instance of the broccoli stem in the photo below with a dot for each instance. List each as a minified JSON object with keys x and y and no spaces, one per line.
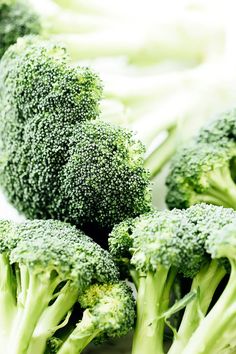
{"x":35,"y":295}
{"x":221,"y":319}
{"x":81,"y":336}
{"x":130,"y":44}
{"x":205,"y":282}
{"x":148,"y":334}
{"x":221,"y":190}
{"x":7,"y":300}
{"x":51,"y":318}
{"x":159,"y":157}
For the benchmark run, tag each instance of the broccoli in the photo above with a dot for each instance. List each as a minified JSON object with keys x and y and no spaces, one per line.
{"x":140,"y":99}
{"x":204,"y":170}
{"x":87,"y":31}
{"x":156,"y":248}
{"x":19,"y":18}
{"x":47,"y":267}
{"x":216,"y":331}
{"x":57,"y":160}
{"x":156,"y":106}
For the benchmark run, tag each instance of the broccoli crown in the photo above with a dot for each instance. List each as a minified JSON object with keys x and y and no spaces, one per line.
{"x":17,"y":19}
{"x":169,"y":238}
{"x":160,"y":238}
{"x":112,"y":308}
{"x":110,"y":164}
{"x":60,"y":249}
{"x":203,"y":171}
{"x":38,"y":78}
{"x":56,"y":161}
{"x":194,"y":171}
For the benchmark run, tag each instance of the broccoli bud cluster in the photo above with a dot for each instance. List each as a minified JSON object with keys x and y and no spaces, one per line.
{"x":57,"y":159}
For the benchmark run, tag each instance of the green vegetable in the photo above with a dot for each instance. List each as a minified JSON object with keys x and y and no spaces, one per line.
{"x":46,"y":268}
{"x":204,"y":170}
{"x":56,"y":160}
{"x":86,"y":29}
{"x":19,"y":18}
{"x":215,"y":333}
{"x":155,"y":249}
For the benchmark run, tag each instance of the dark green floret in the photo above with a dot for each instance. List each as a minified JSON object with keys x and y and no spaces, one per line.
{"x":204,"y":171}
{"x":156,"y":249}
{"x":46,"y":269}
{"x":17,"y":19}
{"x":55,"y":161}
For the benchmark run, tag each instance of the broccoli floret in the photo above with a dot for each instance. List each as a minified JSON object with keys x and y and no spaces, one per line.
{"x":46,"y":267}
{"x":204,"y":171}
{"x":109,"y":312}
{"x":155,"y":249}
{"x":216,"y":332}
{"x":17,"y":19}
{"x":56,"y":162}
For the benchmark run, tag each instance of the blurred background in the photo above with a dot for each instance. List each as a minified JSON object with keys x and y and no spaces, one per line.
{"x":166,"y":68}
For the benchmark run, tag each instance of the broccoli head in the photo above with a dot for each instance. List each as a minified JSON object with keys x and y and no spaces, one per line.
{"x":57,"y":161}
{"x":155,"y":249}
{"x":17,"y":19}
{"x":204,"y":171}
{"x":46,"y":268}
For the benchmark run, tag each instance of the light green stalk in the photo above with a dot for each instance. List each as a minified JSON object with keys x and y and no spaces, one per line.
{"x":7,"y":301}
{"x":35,"y":294}
{"x":205,"y":283}
{"x":49,"y":322}
{"x":81,"y":336}
{"x":148,"y":334}
{"x":218,"y":327}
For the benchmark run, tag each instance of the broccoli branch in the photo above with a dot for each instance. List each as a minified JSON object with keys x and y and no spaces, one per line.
{"x":33,"y":298}
{"x":81,"y":336}
{"x":221,"y":319}
{"x":205,"y":283}
{"x":221,"y":189}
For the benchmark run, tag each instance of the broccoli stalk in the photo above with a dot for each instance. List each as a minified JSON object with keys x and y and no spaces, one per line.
{"x":19,"y":18}
{"x":216,"y":331}
{"x":48,"y":323}
{"x":140,"y":46}
{"x":88,"y":32}
{"x":205,"y":284}
{"x":163,"y":127}
{"x":7,"y":300}
{"x":221,"y":190}
{"x":33,"y":298}
{"x":149,"y":329}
